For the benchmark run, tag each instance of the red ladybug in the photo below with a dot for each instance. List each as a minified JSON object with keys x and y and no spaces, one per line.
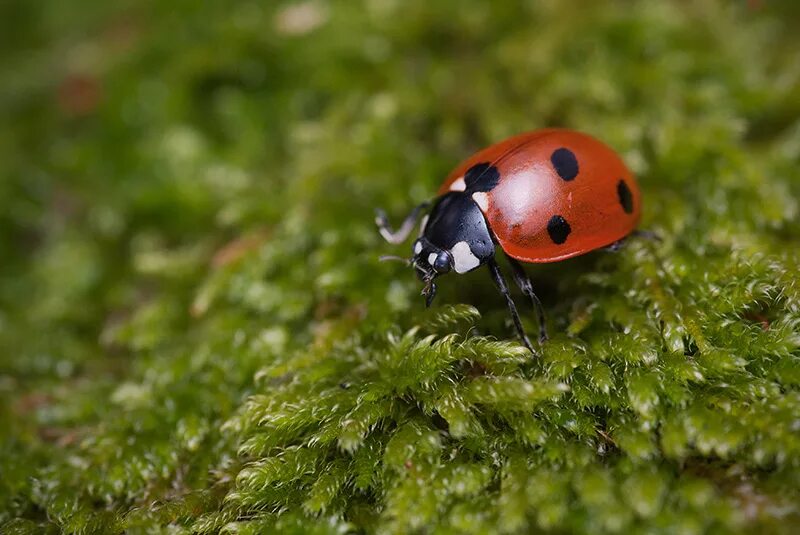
{"x":542,"y":196}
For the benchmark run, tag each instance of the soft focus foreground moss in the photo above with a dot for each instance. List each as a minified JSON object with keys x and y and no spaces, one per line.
{"x":195,"y":332}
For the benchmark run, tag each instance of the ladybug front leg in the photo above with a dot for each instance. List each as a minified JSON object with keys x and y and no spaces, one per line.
{"x":524,"y":283}
{"x":405,"y":229}
{"x":497,"y":277}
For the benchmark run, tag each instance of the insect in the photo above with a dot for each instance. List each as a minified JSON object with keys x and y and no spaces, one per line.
{"x":541,"y":196}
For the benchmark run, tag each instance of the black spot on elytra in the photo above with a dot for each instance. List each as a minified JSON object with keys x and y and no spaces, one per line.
{"x":625,"y":196}
{"x":481,"y":177}
{"x":565,"y":163}
{"x":558,"y":229}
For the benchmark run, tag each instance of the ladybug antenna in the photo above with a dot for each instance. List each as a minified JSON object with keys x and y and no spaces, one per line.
{"x":392,"y":258}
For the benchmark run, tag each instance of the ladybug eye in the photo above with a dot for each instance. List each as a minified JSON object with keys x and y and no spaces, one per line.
{"x":443,"y":263}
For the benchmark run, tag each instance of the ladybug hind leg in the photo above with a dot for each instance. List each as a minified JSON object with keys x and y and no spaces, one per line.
{"x":500,"y":282}
{"x":524,"y":283}
{"x":616,"y":246}
{"x":647,"y":235}
{"x":400,"y":235}
{"x":643,"y":234}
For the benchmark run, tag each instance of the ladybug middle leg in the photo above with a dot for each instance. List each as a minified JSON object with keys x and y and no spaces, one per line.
{"x":497,"y":277}
{"x":524,"y":283}
{"x":400,"y":235}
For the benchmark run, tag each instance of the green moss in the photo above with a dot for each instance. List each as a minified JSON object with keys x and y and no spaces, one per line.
{"x":196,"y":335}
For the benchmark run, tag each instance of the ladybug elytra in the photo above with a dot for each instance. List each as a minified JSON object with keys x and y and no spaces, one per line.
{"x":541,"y":196}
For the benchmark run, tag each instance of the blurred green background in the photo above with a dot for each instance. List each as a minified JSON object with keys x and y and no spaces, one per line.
{"x":188,"y":259}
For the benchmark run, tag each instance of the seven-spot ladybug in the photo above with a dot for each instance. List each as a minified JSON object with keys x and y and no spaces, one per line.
{"x":542,"y":196}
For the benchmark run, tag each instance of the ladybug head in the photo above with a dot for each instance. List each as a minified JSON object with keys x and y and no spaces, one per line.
{"x":454,"y":237}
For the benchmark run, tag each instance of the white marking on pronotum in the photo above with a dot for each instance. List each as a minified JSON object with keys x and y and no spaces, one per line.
{"x":431,"y":258}
{"x":418,"y":247}
{"x":458,"y":185}
{"x":481,"y":199}
{"x":463,"y":258}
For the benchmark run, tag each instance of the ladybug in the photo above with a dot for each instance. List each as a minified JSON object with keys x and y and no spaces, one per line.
{"x":541,"y":196}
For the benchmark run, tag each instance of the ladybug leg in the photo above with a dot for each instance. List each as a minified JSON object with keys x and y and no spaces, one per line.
{"x":616,"y":246}
{"x":644,"y":234}
{"x":524,"y":283}
{"x":400,"y":235}
{"x":497,"y":277}
{"x":647,"y":235}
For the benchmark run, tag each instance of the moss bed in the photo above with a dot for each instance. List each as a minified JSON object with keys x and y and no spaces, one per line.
{"x":196,"y":334}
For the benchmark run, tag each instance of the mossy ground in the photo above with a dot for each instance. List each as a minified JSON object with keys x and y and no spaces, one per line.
{"x":195,"y":334}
